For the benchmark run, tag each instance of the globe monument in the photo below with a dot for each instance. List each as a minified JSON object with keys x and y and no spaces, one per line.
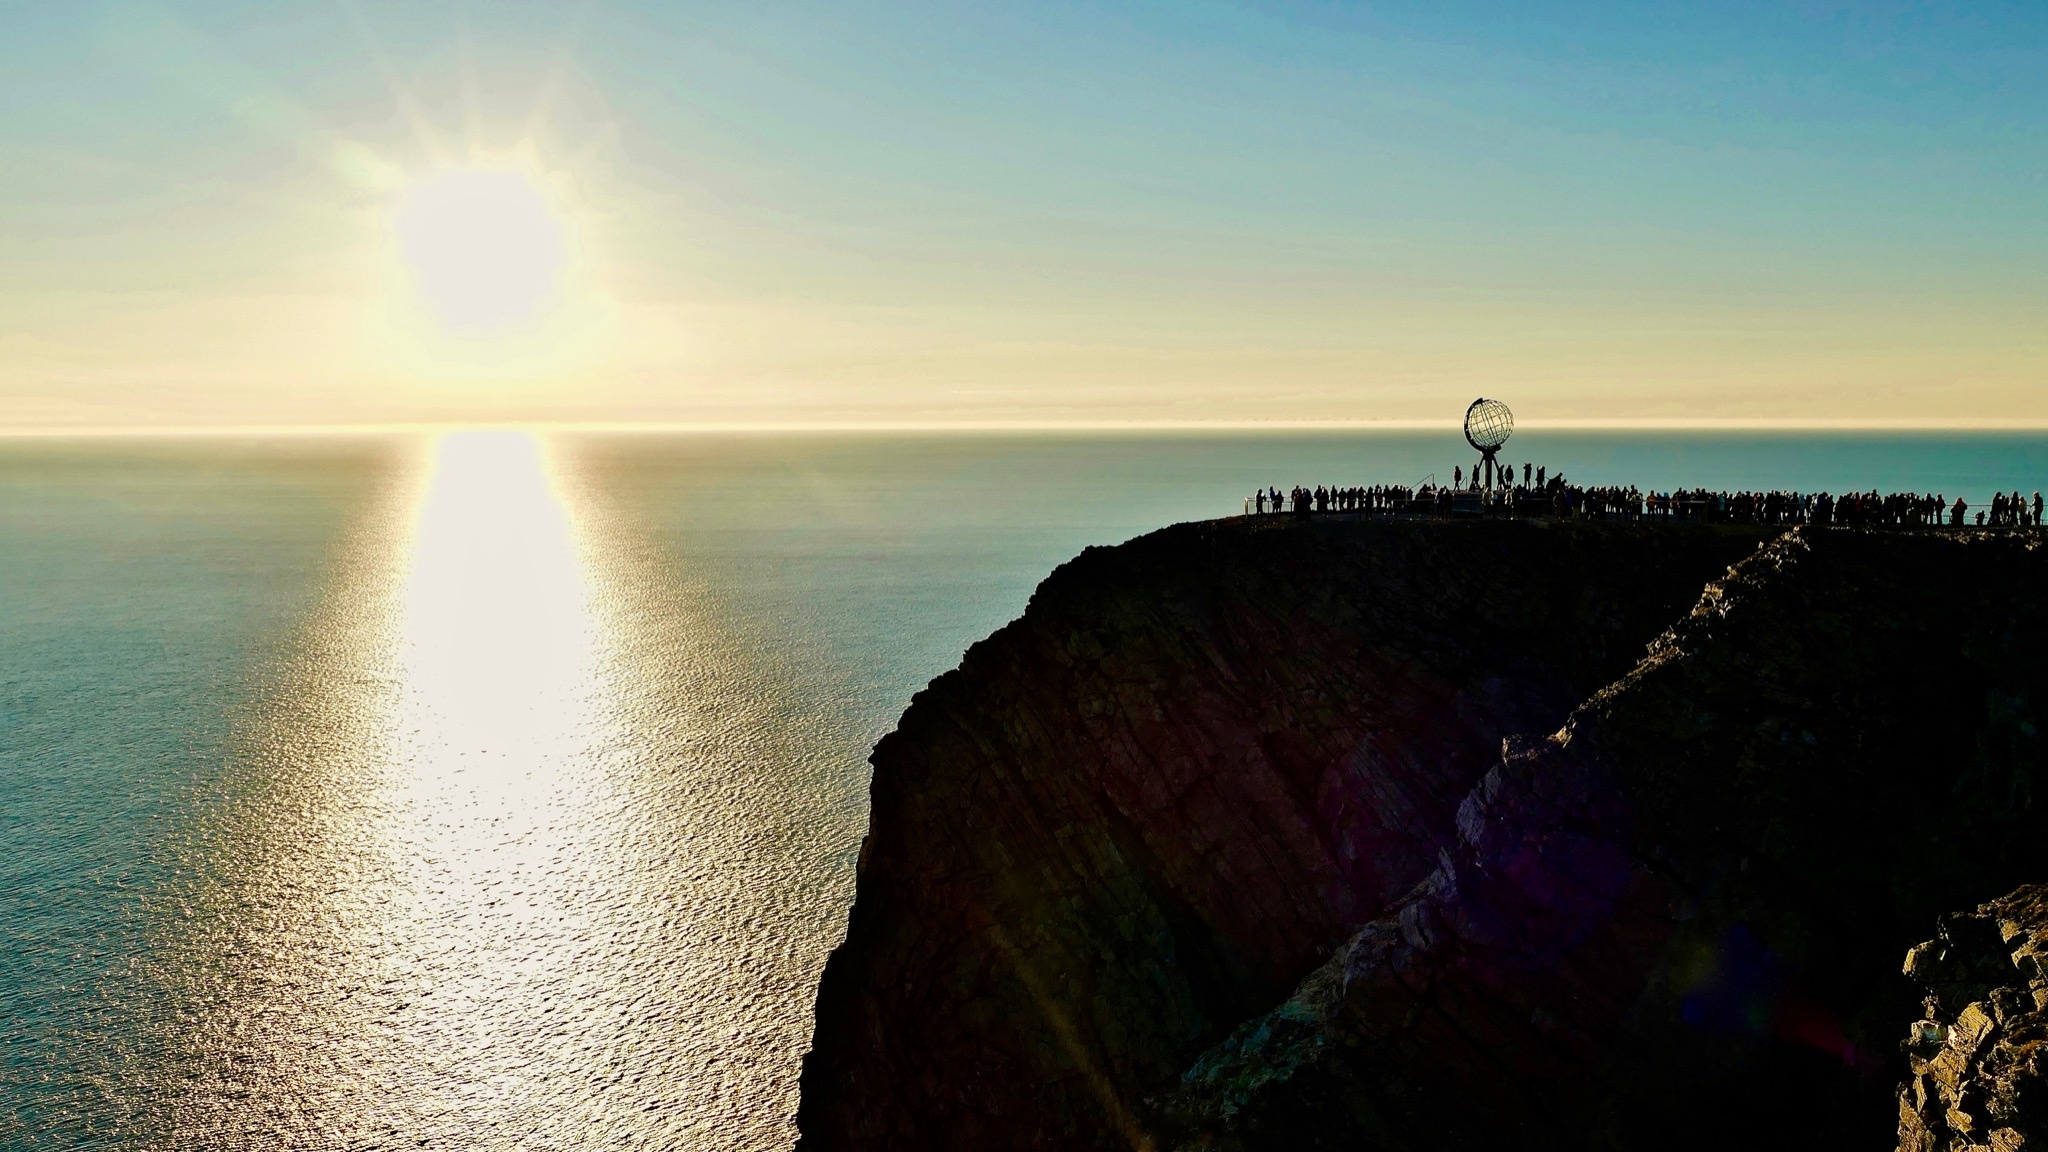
{"x":1488,"y":424}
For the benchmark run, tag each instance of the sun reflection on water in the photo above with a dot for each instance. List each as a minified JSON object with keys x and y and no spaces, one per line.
{"x":506,"y":869}
{"x":498,"y":655}
{"x":501,"y":806}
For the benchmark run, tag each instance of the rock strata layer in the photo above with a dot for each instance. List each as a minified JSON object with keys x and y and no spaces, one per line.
{"x":1195,"y":767}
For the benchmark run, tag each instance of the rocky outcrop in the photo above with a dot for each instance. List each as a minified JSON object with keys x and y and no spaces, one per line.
{"x":1979,"y":1056}
{"x":1200,"y":761}
{"x":1675,"y":922}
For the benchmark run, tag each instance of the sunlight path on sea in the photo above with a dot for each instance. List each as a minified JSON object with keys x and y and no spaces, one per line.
{"x":489,"y":882}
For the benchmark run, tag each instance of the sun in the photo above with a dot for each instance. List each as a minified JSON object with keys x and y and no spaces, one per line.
{"x":490,"y":279}
{"x":485,"y":248}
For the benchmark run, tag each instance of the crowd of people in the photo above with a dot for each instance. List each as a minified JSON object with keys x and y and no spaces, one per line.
{"x":1541,"y":495}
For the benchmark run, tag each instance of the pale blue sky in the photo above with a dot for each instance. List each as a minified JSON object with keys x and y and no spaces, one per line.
{"x":1056,"y":212}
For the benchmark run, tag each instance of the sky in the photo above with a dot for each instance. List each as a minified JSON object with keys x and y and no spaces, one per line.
{"x":233,"y":213}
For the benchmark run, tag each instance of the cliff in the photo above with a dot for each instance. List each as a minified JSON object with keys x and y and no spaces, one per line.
{"x":1390,"y":835}
{"x":1199,"y":762}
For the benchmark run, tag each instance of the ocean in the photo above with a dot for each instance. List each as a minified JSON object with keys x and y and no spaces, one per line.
{"x":498,"y":790}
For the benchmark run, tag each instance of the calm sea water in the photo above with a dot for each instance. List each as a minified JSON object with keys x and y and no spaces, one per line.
{"x":487,"y":792}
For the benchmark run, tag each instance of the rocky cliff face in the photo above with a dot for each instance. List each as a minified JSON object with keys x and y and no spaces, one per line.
{"x":1139,"y":816}
{"x":1978,"y":1060}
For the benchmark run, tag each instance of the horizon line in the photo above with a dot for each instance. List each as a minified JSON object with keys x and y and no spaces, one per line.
{"x":424,"y":427}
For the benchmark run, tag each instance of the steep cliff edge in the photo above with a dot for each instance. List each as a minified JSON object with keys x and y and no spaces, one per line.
{"x":1200,"y":761}
{"x":1676,"y":922}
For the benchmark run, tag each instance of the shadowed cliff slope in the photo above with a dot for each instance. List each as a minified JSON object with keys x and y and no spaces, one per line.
{"x":1140,"y":814}
{"x":1678,"y":922}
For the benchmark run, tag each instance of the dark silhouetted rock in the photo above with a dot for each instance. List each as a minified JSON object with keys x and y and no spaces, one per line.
{"x":1320,"y":766}
{"x":1200,"y":761}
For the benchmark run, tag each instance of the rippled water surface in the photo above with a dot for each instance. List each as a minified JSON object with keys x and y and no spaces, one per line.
{"x":490,"y":791}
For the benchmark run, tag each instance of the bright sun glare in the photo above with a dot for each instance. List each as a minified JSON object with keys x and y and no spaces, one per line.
{"x":485,"y":247}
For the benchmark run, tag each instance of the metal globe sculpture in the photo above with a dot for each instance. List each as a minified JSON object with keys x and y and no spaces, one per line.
{"x":1488,"y":424}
